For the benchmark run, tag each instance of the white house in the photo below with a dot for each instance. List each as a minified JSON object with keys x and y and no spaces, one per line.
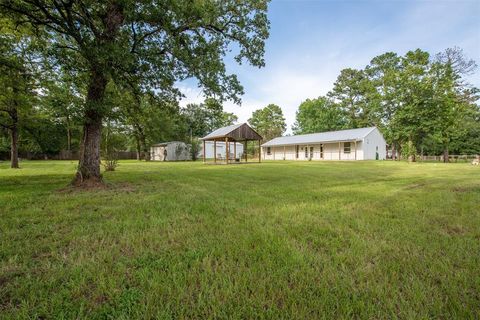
{"x":352,"y":144}
{"x":221,"y":149}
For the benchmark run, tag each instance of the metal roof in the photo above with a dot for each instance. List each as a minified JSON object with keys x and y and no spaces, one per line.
{"x":222,"y":131}
{"x":321,"y":137}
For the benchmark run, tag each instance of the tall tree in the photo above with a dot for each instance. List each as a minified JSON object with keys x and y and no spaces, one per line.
{"x":269,"y":122}
{"x":205,"y":117}
{"x":352,"y":91}
{"x":317,"y":115}
{"x":158,"y":42}
{"x":452,"y":95}
{"x":16,"y":80}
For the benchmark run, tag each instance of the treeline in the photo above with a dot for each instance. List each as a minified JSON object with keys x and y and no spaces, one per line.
{"x":422,"y":104}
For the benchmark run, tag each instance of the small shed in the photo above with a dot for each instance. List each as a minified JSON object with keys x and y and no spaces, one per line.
{"x":230,"y":136}
{"x":170,"y":151}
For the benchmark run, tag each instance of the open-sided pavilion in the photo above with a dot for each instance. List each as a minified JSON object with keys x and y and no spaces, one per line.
{"x":241,"y":133}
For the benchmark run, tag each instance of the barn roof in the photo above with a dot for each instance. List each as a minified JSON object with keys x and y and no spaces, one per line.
{"x":238,"y":132}
{"x":321,"y":137}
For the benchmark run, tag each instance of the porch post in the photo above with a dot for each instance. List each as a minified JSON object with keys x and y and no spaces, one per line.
{"x":204,"y":160}
{"x":226,"y":149}
{"x":355,"y":149}
{"x":215,"y":151}
{"x":273,"y":149}
{"x":308,"y":152}
{"x":284,"y":153}
{"x":339,"y":151}
{"x":259,"y":151}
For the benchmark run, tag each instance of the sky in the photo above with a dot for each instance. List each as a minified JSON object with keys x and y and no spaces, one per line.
{"x":312,"y":40}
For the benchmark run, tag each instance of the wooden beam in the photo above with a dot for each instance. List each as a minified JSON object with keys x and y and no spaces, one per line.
{"x":215,"y":151}
{"x":245,"y":150}
{"x":204,"y":160}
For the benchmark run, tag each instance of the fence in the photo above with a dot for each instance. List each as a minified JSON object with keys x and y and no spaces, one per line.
{"x":451,"y":158}
{"x":62,"y":155}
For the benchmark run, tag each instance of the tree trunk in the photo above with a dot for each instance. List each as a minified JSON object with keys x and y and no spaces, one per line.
{"x":445,"y":155}
{"x":143,"y":143}
{"x":14,"y":146}
{"x":89,"y":164}
{"x":139,"y":149}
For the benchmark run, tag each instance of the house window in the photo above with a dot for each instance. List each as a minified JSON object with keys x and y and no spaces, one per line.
{"x":296,"y":151}
{"x":306,"y":153}
{"x":269,"y":151}
{"x":346,"y":147}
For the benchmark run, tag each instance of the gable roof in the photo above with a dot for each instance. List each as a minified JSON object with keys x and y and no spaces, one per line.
{"x":241,"y":131}
{"x":330,"y":136}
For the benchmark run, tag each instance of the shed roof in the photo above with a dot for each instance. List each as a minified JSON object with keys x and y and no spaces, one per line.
{"x":330,"y":136}
{"x":163,"y":144}
{"x":240,"y":132}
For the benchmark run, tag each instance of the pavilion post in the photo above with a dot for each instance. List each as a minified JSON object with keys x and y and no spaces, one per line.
{"x":226,"y":149}
{"x":204,"y":160}
{"x":235,"y":151}
{"x":245,"y":150}
{"x":215,"y":151}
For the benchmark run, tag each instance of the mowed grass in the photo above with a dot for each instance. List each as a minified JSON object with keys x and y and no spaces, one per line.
{"x":277,"y":240}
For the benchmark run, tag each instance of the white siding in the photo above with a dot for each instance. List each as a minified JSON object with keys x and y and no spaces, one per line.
{"x":374,"y":142}
{"x":330,"y":152}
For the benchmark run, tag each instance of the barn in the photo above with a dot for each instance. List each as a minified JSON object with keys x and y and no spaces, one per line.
{"x":170,"y":151}
{"x":352,"y":144}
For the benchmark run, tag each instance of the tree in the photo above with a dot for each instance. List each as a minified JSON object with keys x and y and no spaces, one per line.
{"x":16,"y":81}
{"x":317,"y":115}
{"x":159,"y":43}
{"x":452,"y":97}
{"x":352,"y":91}
{"x":384,"y":72}
{"x":269,"y":122}
{"x":206,"y":117}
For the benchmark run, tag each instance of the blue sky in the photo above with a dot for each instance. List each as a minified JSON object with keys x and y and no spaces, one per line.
{"x":312,"y":40}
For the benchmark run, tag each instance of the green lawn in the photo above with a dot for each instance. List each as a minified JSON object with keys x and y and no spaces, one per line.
{"x":274,"y":240}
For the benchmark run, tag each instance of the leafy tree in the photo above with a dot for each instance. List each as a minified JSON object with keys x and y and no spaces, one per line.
{"x":318,"y":115}
{"x":206,"y":117}
{"x":269,"y":122}
{"x":16,"y":80}
{"x":353,"y":91}
{"x":384,"y":72}
{"x":159,"y":43}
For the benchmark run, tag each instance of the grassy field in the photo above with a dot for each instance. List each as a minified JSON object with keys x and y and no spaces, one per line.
{"x":276,"y":240}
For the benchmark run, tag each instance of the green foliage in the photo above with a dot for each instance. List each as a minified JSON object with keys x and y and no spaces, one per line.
{"x":317,"y":115}
{"x":269,"y":122}
{"x":206,"y":117}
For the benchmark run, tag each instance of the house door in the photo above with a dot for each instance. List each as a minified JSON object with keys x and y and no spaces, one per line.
{"x":321,"y":151}
{"x":311,"y":152}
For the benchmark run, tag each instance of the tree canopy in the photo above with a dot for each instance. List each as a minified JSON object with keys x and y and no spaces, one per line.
{"x":269,"y":122}
{"x":149,"y":43}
